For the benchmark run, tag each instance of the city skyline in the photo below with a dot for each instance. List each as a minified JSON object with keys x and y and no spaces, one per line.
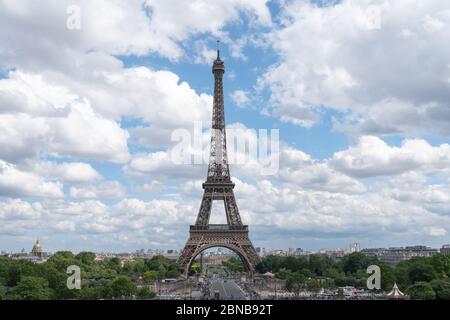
{"x":87,"y":116}
{"x":348,"y":248}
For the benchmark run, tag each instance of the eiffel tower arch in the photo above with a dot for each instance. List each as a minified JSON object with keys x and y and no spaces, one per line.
{"x":218,"y":187}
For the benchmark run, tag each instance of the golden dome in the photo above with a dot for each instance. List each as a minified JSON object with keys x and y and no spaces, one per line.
{"x":37,"y":248}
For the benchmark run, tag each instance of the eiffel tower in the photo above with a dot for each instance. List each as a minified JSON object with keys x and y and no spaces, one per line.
{"x":218,"y":186}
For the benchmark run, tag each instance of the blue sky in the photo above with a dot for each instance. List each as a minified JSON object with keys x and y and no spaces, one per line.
{"x":359,"y":91}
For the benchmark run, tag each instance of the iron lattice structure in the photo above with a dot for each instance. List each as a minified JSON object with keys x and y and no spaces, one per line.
{"x":218,"y":186}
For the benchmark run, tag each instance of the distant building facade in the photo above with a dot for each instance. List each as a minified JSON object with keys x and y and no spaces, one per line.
{"x":445,"y":249}
{"x":354,"y":247}
{"x":392,"y":256}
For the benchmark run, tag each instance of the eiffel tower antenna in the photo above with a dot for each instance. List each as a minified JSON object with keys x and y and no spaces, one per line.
{"x":218,"y":49}
{"x":218,"y":187}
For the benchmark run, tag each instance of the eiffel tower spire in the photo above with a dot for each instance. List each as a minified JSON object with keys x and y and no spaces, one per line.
{"x":218,"y":187}
{"x":218,"y":169}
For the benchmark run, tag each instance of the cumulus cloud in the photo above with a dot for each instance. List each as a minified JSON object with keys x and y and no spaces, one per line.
{"x":104,"y":190}
{"x":297,"y":168}
{"x":17,"y":183}
{"x":372,"y":157}
{"x":19,"y":209}
{"x":152,"y":187}
{"x":78,"y":132}
{"x":136,"y":93}
{"x":68,"y":172}
{"x":368,"y":59}
{"x":240,"y":97}
{"x":115,"y":27}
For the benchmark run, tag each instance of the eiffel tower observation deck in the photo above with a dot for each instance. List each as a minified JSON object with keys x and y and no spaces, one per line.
{"x":218,"y":187}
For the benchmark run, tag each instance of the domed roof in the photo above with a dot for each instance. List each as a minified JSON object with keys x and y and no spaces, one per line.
{"x":37,"y":247}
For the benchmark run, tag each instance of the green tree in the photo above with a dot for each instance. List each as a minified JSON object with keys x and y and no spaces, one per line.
{"x":87,"y":258}
{"x":318,"y":265}
{"x":401,"y":274}
{"x":32,"y":288}
{"x":113,"y":263}
{"x":172,"y":274}
{"x":343,"y":281}
{"x":145,"y":293}
{"x":313,"y":284}
{"x":356,"y":261}
{"x":14,"y":270}
{"x":161,"y":272}
{"x":150,"y":275}
{"x":295,"y":282}
{"x":442,"y":288}
{"x":94,"y":293}
{"x":421,"y":291}
{"x":57,"y":281}
{"x":441,"y":264}
{"x":139,"y":266}
{"x":62,"y":259}
{"x":270,"y":263}
{"x":196,"y":267}
{"x":2,"y":292}
{"x":294,"y":263}
{"x":421,"y":270}
{"x":122,"y":286}
{"x":387,"y":276}
{"x":234,"y":264}
{"x":283,"y":274}
{"x":333,"y":272}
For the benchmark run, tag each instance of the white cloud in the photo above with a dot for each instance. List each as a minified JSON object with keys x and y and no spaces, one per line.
{"x":155,"y":212}
{"x":436,"y":232}
{"x":152,"y":187}
{"x":17,"y":209}
{"x":153,"y":96}
{"x":78,"y":132}
{"x":203,"y":16}
{"x":371,"y":157}
{"x":240,"y":97}
{"x":367,"y":216}
{"x":432,"y":24}
{"x":354,"y":57}
{"x":86,"y":135}
{"x":68,"y":172}
{"x":161,"y":165}
{"x":116,"y":27}
{"x":66,"y":65}
{"x":297,"y":168}
{"x":414,"y":188}
{"x":16,"y":183}
{"x":204,"y":55}
{"x":104,"y":190}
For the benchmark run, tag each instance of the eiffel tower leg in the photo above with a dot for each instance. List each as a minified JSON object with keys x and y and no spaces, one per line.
{"x":186,"y":256}
{"x":251,"y":255}
{"x":232,"y":210}
{"x":205,"y":211}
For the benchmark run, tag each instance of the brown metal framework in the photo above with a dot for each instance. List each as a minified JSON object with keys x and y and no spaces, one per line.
{"x":218,"y":186}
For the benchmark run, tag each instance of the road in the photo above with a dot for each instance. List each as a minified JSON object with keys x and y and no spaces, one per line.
{"x":227,"y":289}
